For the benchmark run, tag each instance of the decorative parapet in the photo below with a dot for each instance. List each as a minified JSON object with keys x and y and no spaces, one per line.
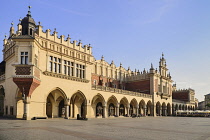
{"x":120,"y":91}
{"x":65,"y":77}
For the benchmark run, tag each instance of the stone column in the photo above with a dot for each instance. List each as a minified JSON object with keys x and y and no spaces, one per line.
{"x":67,"y":112}
{"x":104,"y":111}
{"x":26,"y":102}
{"x":137,"y":111}
{"x":72,"y":110}
{"x":117,"y":111}
{"x":160,"y":111}
{"x":154,"y":113}
{"x":128,"y":110}
{"x":145,"y":111}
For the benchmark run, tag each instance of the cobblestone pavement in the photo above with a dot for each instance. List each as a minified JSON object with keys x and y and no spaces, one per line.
{"x":145,"y":128}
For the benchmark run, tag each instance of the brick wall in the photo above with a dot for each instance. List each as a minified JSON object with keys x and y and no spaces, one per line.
{"x":140,"y":86}
{"x":180,"y":95}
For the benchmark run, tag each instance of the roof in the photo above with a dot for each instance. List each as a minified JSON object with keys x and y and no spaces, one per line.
{"x":23,"y":37}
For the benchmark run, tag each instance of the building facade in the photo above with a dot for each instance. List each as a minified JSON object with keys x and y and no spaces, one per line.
{"x":43,"y":75}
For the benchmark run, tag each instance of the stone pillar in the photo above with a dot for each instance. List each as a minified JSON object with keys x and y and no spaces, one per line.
{"x":145,"y":111}
{"x":137,"y":111}
{"x":128,"y":110}
{"x":154,"y":113}
{"x":160,"y":111}
{"x":72,"y":110}
{"x":117,"y":110}
{"x":104,"y":111}
{"x":26,"y":102}
{"x":67,"y":111}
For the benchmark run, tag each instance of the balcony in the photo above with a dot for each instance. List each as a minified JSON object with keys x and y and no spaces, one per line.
{"x":26,"y":71}
{"x":120,"y":91}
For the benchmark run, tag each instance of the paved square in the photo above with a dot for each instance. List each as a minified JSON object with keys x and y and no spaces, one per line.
{"x":145,"y":128}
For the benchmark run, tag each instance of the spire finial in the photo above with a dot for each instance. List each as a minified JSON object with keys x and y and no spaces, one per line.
{"x":20,"y":20}
{"x":29,"y":11}
{"x":120,"y":64}
{"x":102,"y":57}
{"x":5,"y":36}
{"x":12,"y":23}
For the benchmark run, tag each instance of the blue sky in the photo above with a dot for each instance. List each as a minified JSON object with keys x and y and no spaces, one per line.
{"x":133,"y":32}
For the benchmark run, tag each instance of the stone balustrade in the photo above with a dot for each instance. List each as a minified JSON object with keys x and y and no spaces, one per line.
{"x":120,"y":91}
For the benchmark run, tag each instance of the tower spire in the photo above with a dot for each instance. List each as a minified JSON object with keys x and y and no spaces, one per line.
{"x":29,"y":11}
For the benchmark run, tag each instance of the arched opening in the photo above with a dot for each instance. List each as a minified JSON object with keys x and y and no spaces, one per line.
{"x":99,"y":109}
{"x":123,"y":107}
{"x":122,"y":110}
{"x":164,"y":109}
{"x":78,"y":105}
{"x":133,"y":107}
{"x":173,"y":109}
{"x":31,"y":31}
{"x":183,"y":108}
{"x":55,"y":104}
{"x":98,"y":105}
{"x":131,"y":110}
{"x":111,"y":109}
{"x":142,"y":108}
{"x":168,"y":110}
{"x":149,"y":111}
{"x":180,"y":107}
{"x":112,"y":106}
{"x":158,"y":109}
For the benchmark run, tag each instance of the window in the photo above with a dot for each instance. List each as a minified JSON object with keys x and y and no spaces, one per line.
{"x":31,"y":32}
{"x":24,"y":58}
{"x":80,"y":71}
{"x":55,"y":64}
{"x":68,"y":68}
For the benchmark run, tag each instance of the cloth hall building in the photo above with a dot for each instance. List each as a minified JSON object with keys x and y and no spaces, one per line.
{"x":42,"y":75}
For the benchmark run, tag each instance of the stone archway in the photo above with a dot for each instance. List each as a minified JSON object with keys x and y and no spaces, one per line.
{"x":164,"y":109}
{"x":142,"y":108}
{"x":55,"y":104}
{"x":123,"y":107}
{"x":133,"y":107}
{"x":113,"y":106}
{"x":78,"y":105}
{"x":149,"y":111}
{"x":180,"y":107}
{"x":98,"y":106}
{"x":173,"y":109}
{"x":168,"y":112}
{"x":158,"y":109}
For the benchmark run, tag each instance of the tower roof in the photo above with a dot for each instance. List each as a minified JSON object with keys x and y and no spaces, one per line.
{"x":28,"y":18}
